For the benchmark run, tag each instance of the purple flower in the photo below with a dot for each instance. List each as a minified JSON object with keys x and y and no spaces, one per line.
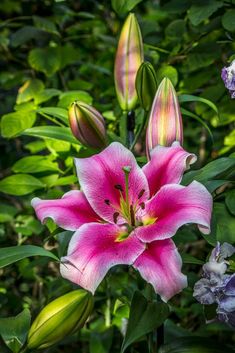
{"x":216,"y":286}
{"x":228,"y":76}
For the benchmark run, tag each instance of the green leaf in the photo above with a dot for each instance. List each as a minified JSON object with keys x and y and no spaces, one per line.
{"x":45,"y":25}
{"x":46,"y":60}
{"x":202,"y":10}
{"x":34,"y":164}
{"x":20,"y":184}
{"x":223,"y":224}
{"x":7,"y":212}
{"x":53,"y":132}
{"x":13,"y":254}
{"x":175,"y":30}
{"x":145,"y":316}
{"x":23,"y":35}
{"x":230,"y":201}
{"x":122,"y":7}
{"x":14,"y":330}
{"x":68,"y":98}
{"x":189,"y":259}
{"x":59,"y":113}
{"x":228,"y":20}
{"x":29,"y":90}
{"x":12,"y":124}
{"x":194,"y":345}
{"x":215,"y":169}
{"x":190,"y":98}
{"x":194,"y":116}
{"x":167,"y":71}
{"x":46,"y":95}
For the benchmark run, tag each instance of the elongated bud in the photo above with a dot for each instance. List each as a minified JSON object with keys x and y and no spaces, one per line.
{"x":129,"y":57}
{"x":146,"y":85}
{"x":60,"y":318}
{"x":165,"y":120}
{"x":87,"y":124}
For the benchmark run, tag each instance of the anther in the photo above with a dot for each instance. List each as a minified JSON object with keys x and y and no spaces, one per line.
{"x":142,"y":205}
{"x":107,"y":202}
{"x":115,"y":217}
{"x":118,"y":187}
{"x":141,"y":193}
{"x":132,"y":215}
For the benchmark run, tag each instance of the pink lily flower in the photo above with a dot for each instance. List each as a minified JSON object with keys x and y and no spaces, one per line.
{"x":127,"y":215}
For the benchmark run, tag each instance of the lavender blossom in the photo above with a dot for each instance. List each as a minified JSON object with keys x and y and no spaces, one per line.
{"x":216,"y":286}
{"x":228,"y":76}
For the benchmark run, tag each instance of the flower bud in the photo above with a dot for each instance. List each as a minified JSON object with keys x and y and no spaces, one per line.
{"x":146,"y":85}
{"x":165,"y":120}
{"x":87,"y":125}
{"x":129,"y":57}
{"x":60,"y":318}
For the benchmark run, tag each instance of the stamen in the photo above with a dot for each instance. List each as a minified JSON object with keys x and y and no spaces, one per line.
{"x":141,"y":193}
{"x":142,"y":205}
{"x":118,"y":187}
{"x":132,"y":214}
{"x":115,"y":217}
{"x":107,"y":202}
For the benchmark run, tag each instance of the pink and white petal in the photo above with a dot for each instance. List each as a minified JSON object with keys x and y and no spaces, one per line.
{"x":160,"y":264}
{"x":167,"y":166}
{"x":173,"y":206}
{"x":101,"y":177}
{"x":93,"y":250}
{"x":69,"y":212}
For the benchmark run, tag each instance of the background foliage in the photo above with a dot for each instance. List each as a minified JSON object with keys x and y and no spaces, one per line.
{"x":53,"y":52}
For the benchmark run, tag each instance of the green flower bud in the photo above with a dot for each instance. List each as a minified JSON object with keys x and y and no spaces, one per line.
{"x":87,"y":125}
{"x":60,"y":318}
{"x":146,"y":85}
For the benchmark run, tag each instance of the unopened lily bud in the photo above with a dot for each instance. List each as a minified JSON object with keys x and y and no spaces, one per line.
{"x":146,"y":85}
{"x":60,"y":318}
{"x":129,"y":57}
{"x":87,"y":125}
{"x":165,"y":120}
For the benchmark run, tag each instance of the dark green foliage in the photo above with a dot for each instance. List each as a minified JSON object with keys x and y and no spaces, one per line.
{"x":53,"y":52}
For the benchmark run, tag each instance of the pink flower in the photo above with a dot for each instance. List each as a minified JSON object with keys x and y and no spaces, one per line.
{"x":127,"y":215}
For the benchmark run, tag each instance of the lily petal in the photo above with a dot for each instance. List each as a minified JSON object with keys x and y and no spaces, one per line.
{"x":167,"y":165}
{"x":93,"y":250}
{"x":173,"y":206}
{"x":101,"y":178}
{"x":160,"y":264}
{"x":69,"y":212}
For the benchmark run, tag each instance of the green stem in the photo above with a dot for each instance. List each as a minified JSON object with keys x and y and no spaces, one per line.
{"x":139,"y":130}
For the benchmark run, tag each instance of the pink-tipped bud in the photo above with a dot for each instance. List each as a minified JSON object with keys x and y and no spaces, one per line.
{"x":129,"y":57}
{"x":87,"y":125}
{"x":165,"y":120}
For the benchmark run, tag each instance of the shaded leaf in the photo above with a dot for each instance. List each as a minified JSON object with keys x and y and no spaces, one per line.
{"x":201,"y":10}
{"x":194,"y":345}
{"x":14,"y":330}
{"x":230,"y":201}
{"x":46,"y":60}
{"x":122,"y":7}
{"x":145,"y":316}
